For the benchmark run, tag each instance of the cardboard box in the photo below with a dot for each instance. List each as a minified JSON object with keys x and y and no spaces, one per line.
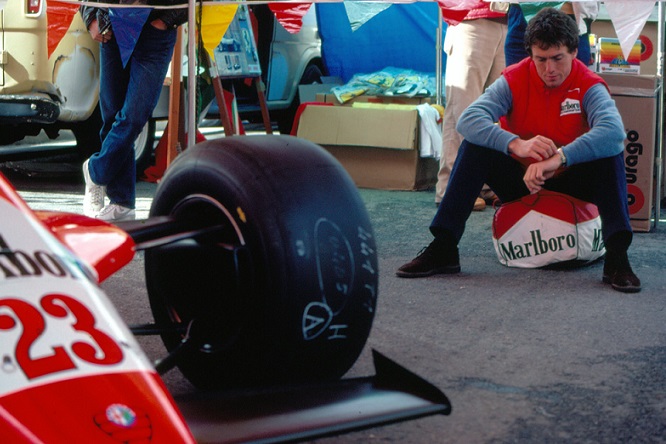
{"x":649,"y":38}
{"x":404,"y":100}
{"x":379,"y":148}
{"x":309,"y":93}
{"x":611,"y":58}
{"x":636,"y":99}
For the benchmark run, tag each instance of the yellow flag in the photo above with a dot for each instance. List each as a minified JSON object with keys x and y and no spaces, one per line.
{"x":214,"y":23}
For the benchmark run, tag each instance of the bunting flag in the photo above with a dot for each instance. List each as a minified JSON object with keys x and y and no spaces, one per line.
{"x":290,"y":15}
{"x":127,"y":24}
{"x":215,"y":20}
{"x":627,"y":16}
{"x":628,"y":20}
{"x":360,"y":13}
{"x":59,"y":17}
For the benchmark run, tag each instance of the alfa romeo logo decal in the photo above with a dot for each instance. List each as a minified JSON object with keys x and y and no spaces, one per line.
{"x":121,"y":415}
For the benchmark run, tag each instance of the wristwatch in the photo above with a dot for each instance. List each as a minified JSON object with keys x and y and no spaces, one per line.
{"x":563,"y":158}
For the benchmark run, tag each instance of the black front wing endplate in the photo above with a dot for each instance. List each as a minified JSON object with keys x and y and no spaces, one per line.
{"x":294,"y":413}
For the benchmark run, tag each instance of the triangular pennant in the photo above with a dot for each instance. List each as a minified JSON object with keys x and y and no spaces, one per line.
{"x":628,"y":19}
{"x":215,"y":20}
{"x":360,"y":13}
{"x":59,"y":17}
{"x":127,"y":24}
{"x":290,"y":15}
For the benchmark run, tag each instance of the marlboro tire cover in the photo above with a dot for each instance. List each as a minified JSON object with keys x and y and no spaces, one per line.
{"x":547,"y":228}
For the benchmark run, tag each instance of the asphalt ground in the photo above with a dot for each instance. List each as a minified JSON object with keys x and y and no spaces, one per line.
{"x":525,"y":356}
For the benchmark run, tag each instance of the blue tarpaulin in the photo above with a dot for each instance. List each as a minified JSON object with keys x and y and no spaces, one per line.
{"x":402,"y":36}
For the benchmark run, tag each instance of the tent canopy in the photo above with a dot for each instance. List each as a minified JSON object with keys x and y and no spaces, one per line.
{"x":402,"y":36}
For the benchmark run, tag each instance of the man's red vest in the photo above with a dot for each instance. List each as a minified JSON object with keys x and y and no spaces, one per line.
{"x":556,"y":113}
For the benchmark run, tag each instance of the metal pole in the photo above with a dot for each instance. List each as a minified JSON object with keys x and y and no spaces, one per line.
{"x":438,"y":57}
{"x":659,"y":161}
{"x":191,"y":74}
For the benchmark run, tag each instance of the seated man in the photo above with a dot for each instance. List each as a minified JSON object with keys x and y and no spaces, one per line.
{"x":560,"y":130}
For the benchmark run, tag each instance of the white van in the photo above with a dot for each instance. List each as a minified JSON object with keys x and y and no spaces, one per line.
{"x":41,"y":92}
{"x":38,"y":92}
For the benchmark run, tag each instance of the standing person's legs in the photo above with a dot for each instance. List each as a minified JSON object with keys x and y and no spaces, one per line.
{"x":499,"y":63}
{"x":584,"y":53}
{"x":138,"y":85}
{"x":499,"y":30}
{"x":514,"y":47}
{"x":113,"y":86}
{"x":455,"y":81}
{"x":475,"y":59}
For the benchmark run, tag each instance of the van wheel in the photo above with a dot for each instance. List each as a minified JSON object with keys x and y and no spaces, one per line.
{"x":285,"y":118}
{"x":88,"y":141}
{"x":285,"y":289}
{"x":86,"y":134}
{"x":143,"y":147}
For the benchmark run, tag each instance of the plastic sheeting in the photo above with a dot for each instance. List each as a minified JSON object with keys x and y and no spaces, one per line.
{"x":401,"y":36}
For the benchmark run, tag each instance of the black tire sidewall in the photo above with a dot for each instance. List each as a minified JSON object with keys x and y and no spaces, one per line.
{"x":311,"y":304}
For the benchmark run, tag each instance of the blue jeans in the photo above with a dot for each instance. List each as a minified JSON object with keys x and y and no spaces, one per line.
{"x":514,"y":44}
{"x":127,"y":96}
{"x":602,"y":182}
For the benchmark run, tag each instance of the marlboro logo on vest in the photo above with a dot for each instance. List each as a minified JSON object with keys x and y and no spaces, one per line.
{"x":547,"y":228}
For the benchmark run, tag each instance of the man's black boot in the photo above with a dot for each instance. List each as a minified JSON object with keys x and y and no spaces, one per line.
{"x":619,"y":274}
{"x":617,"y":270}
{"x":440,"y":257}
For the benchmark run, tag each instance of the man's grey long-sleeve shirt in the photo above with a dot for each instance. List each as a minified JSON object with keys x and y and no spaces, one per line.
{"x":605,"y":138}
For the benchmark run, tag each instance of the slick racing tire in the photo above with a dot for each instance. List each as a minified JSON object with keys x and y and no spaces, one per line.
{"x":285,"y":288}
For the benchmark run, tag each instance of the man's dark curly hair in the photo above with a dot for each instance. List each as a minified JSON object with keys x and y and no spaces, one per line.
{"x":551,"y":27}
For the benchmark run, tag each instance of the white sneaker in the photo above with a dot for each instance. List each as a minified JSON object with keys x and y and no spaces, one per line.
{"x":115,"y":213}
{"x":93,"y":199}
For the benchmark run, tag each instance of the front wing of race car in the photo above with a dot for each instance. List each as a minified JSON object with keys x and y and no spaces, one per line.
{"x":298,"y":412}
